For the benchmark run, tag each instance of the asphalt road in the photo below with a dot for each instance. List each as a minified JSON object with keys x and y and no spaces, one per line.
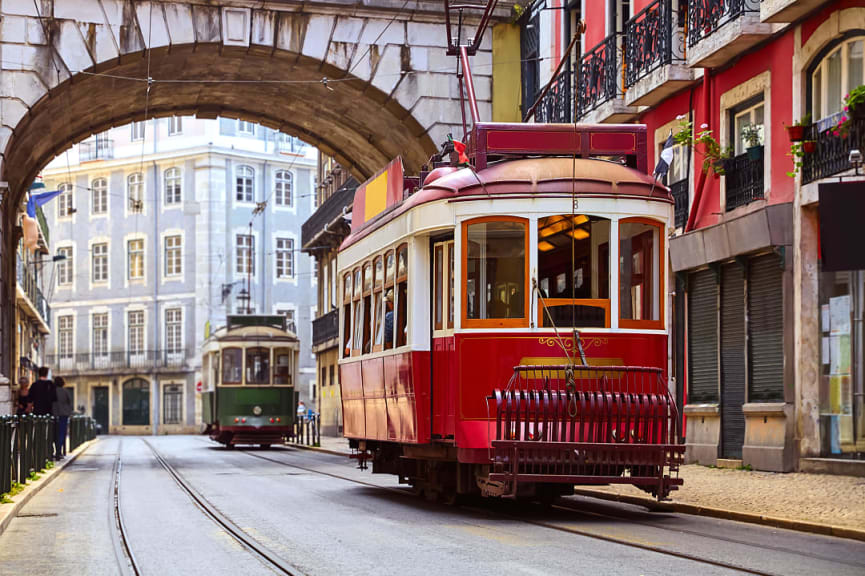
{"x":319,"y":515}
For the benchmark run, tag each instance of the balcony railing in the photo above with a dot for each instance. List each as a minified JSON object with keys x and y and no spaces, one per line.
{"x":680,"y":197}
{"x":325,"y":328}
{"x":96,"y":149}
{"x":832,"y":154}
{"x":27,"y":281}
{"x":117,"y":360}
{"x":558,"y":103}
{"x":744,"y":179}
{"x":330,"y":209}
{"x":598,"y":76}
{"x":650,"y":41}
{"x":707,"y":16}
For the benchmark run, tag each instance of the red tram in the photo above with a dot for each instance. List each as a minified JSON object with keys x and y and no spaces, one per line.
{"x":469,"y":296}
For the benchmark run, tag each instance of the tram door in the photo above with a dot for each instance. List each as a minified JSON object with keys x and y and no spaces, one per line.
{"x":443,"y":370}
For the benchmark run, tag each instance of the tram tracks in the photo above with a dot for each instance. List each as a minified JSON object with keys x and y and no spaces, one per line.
{"x":117,"y":513}
{"x":595,"y":534}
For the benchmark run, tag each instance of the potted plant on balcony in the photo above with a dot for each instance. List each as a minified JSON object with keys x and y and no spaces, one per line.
{"x":854,"y":107}
{"x":753,"y":135}
{"x":796,"y":132}
{"x":715,"y":158}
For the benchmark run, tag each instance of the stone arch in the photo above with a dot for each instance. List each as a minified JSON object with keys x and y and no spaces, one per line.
{"x":84,"y":70}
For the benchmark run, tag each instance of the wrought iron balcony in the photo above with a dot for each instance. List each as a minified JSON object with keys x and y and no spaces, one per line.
{"x":328,"y":211}
{"x":558,"y":103}
{"x":96,"y":149}
{"x":597,"y":79}
{"x":29,"y":285}
{"x":325,"y":328}
{"x":832,"y":154}
{"x":744,"y":179}
{"x":650,"y":41}
{"x":118,"y":360}
{"x":706,"y":16}
{"x":679,"y":191}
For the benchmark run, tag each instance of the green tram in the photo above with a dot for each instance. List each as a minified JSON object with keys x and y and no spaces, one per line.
{"x":249,"y":369}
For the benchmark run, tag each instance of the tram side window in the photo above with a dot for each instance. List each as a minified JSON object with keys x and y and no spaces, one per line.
{"x":258,"y":365}
{"x":282,"y":366}
{"x":357,"y":307}
{"x":232,"y":362}
{"x":378,"y":325}
{"x":346,"y":316}
{"x":640,"y":281}
{"x":367,"y":309}
{"x":574,"y":271}
{"x":495,"y":264}
{"x":402,"y":295}
{"x":389,"y":271}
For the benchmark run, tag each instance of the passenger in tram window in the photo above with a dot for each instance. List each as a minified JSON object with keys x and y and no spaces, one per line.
{"x":388,"y":320}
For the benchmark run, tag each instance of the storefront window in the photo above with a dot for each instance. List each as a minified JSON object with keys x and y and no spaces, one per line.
{"x":495,"y":264}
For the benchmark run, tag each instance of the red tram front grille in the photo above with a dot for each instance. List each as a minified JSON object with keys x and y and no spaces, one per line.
{"x":586,"y":425}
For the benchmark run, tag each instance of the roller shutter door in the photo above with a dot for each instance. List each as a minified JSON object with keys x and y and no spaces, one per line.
{"x":732,"y":360}
{"x":702,"y":337}
{"x":766,"y":329}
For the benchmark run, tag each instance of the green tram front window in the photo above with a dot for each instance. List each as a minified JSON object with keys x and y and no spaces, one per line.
{"x":282,"y":367}
{"x":258,"y":365}
{"x":232,"y":362}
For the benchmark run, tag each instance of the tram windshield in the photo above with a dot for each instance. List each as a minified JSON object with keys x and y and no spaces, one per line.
{"x":258,"y":365}
{"x":574,"y":271}
{"x":232,"y":361}
{"x":495,"y":270}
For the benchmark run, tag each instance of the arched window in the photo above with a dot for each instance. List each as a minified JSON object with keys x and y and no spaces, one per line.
{"x":99,"y":196}
{"x":173,"y":194}
{"x":841,"y":68}
{"x":282,"y":188}
{"x":136,"y":402}
{"x":135,"y":192}
{"x":244,"y":183}
{"x":64,"y":200}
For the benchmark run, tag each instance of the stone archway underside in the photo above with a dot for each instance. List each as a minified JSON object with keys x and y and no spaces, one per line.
{"x":351,"y":120}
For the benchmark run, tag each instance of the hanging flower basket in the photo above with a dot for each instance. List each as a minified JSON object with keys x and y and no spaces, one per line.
{"x":809,"y":147}
{"x":796,"y":133}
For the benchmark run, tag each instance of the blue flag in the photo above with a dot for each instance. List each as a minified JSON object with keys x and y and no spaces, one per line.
{"x":39,"y":200}
{"x":666,"y":158}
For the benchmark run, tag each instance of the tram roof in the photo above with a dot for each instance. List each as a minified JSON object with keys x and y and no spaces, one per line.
{"x":527,"y":177}
{"x":253,"y":333}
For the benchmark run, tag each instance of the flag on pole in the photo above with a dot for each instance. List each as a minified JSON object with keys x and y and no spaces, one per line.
{"x":665,"y":159}
{"x":39,"y":200}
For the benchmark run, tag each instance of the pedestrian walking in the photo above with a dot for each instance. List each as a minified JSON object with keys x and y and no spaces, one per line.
{"x":25,"y":403}
{"x":62,"y":410}
{"x":43,"y":393}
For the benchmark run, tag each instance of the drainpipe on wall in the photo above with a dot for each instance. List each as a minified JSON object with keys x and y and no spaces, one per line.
{"x":701,"y":186}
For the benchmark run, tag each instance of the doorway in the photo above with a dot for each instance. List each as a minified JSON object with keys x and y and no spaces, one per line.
{"x":100,"y":407}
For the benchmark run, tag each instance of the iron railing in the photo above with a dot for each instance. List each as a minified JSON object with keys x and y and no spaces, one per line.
{"x":707,"y":16}
{"x":652,"y":41}
{"x":64,"y":364}
{"x":26,"y":446}
{"x":328,"y":211}
{"x":598,"y":75}
{"x":679,"y":191}
{"x":96,"y":149}
{"x":307,"y":430}
{"x":832,"y":154}
{"x":30,"y":286}
{"x":744,"y":179}
{"x":558,"y":103}
{"x":325,"y":328}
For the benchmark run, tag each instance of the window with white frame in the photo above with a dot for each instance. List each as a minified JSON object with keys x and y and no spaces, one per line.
{"x":172,"y":403}
{"x":99,"y":262}
{"x":244,"y":127}
{"x":173,"y":255}
{"x":64,"y":201}
{"x":173,"y":193}
{"x":245,"y":245}
{"x":99,"y":196}
{"x":841,"y":70}
{"x":244,"y":181}
{"x":282,"y":188}
{"x":173,"y":330}
{"x":65,"y":268}
{"x":175,"y":125}
{"x":748,"y":125}
{"x":65,"y":335}
{"x":284,"y":257}
{"x":135,"y":331}
{"x":289,"y":318}
{"x":137,"y":131}
{"x":135,"y":192}
{"x":99,"y":324}
{"x":135,"y":258}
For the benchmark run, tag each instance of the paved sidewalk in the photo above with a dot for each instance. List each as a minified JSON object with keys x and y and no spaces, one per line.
{"x":806,"y":498}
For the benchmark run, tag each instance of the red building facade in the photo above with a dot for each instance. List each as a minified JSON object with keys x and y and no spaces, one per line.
{"x":768,"y":347}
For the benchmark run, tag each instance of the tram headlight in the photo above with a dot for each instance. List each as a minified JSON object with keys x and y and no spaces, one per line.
{"x":257,"y":410}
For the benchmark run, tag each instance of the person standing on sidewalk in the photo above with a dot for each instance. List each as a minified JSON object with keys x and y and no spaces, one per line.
{"x":62,"y":410}
{"x":25,"y":403}
{"x":43,"y":393}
